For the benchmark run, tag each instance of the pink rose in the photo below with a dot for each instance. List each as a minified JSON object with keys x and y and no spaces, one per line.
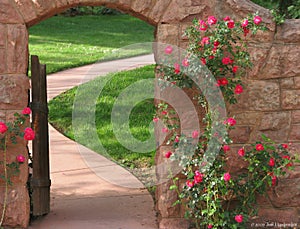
{"x":231,"y":121}
{"x":165,"y":130}
{"x":226,"y":148}
{"x":205,"y":41}
{"x":195,"y":134}
{"x":155,"y":119}
{"x":26,"y":111}
{"x":230,"y":24}
{"x":227,"y":177}
{"x":168,"y":154}
{"x":259,"y":147}
{"x":257,"y":20}
{"x":227,"y":60}
{"x":20,"y":158}
{"x":272,"y":162}
{"x":227,"y":18}
{"x":238,"y":89}
{"x":29,"y":134}
{"x":203,"y":60}
{"x":185,"y":62}
{"x":164,"y":112}
{"x":168,"y":49}
{"x":211,"y":20}
{"x":190,"y":183}
{"x":202,"y":25}
{"x":209,"y":226}
{"x":3,"y":128}
{"x":238,"y":218}
{"x":245,"y":23}
{"x":198,"y":177}
{"x":177,"y":68}
{"x":241,"y":152}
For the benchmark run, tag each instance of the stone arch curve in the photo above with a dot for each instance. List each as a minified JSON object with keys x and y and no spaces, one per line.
{"x":271,"y":104}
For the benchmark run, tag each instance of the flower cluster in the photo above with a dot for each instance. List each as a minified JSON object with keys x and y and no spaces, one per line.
{"x":9,"y":133}
{"x":211,"y":188}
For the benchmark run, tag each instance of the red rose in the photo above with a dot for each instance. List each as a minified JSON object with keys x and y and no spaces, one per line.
{"x":3,"y":128}
{"x":209,"y":226}
{"x":203,"y":60}
{"x":274,"y":180}
{"x":211,"y":20}
{"x":259,"y":147}
{"x":257,"y":20}
{"x":238,"y":89}
{"x":177,"y":68}
{"x":202,"y":25}
{"x":234,"y":69}
{"x":245,"y":23}
{"x":177,"y":139}
{"x":26,"y":111}
{"x":168,"y":49}
{"x":227,"y":60}
{"x":230,"y":24}
{"x":227,"y":177}
{"x":20,"y":158}
{"x":238,"y":218}
{"x":231,"y":121}
{"x":198,"y":177}
{"x":164,"y":112}
{"x":226,"y":148}
{"x":168,"y":154}
{"x":216,"y":43}
{"x":190,"y":183}
{"x":29,"y":134}
{"x":285,"y":146}
{"x":272,"y":162}
{"x":227,"y":18}
{"x":241,"y":152}
{"x":246,"y":31}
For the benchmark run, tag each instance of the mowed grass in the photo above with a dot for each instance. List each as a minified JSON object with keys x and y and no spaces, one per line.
{"x":65,"y":42}
{"x":61,"y":109}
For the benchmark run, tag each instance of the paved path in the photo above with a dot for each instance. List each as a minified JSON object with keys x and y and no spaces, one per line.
{"x":99,"y":194}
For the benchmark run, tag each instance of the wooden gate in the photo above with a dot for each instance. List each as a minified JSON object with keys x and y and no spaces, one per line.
{"x":40,"y":180}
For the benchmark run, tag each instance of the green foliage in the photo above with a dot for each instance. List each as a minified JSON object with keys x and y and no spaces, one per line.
{"x":60,"y":115}
{"x":66,"y":42}
{"x":90,"y":10}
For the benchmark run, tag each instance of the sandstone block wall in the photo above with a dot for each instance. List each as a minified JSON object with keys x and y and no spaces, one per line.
{"x":270,"y":104}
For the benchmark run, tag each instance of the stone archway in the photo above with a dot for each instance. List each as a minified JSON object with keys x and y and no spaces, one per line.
{"x":270,"y":105}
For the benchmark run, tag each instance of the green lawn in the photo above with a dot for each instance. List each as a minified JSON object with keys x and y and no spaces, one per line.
{"x":65,"y":42}
{"x":141,"y":115}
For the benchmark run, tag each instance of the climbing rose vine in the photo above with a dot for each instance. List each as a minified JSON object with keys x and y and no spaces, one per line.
{"x":214,"y":196}
{"x":10,"y":133}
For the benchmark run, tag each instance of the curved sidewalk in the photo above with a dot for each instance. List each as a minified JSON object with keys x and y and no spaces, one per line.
{"x":101,"y":194}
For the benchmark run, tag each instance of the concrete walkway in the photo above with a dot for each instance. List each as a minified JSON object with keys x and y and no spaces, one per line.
{"x":101,"y":194}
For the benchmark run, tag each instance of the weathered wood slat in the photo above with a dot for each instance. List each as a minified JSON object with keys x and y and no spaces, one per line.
{"x":40,"y":182}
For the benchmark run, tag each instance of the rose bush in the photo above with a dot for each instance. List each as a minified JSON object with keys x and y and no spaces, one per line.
{"x":10,"y":133}
{"x":214,"y":197}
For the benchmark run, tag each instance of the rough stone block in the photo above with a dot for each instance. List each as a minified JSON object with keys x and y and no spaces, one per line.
{"x":43,"y":7}
{"x":259,"y":96}
{"x":2,"y":60}
{"x":26,"y":9}
{"x":297,"y":82}
{"x":290,"y":99}
{"x":296,"y":116}
{"x":288,"y":32}
{"x":287,"y":83}
{"x":295,"y":133}
{"x":17,"y":49}
{"x":158,"y":10}
{"x":282,"y":62}
{"x":3,"y":35}
{"x":142,"y":7}
{"x":165,"y":200}
{"x":241,"y":134}
{"x":13,"y":92}
{"x":174,"y":223}
{"x":8,"y":13}
{"x":17,"y":209}
{"x":275,"y":121}
{"x":168,"y":33}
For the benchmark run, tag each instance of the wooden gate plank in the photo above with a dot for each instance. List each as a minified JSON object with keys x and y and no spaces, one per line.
{"x":40,"y":182}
